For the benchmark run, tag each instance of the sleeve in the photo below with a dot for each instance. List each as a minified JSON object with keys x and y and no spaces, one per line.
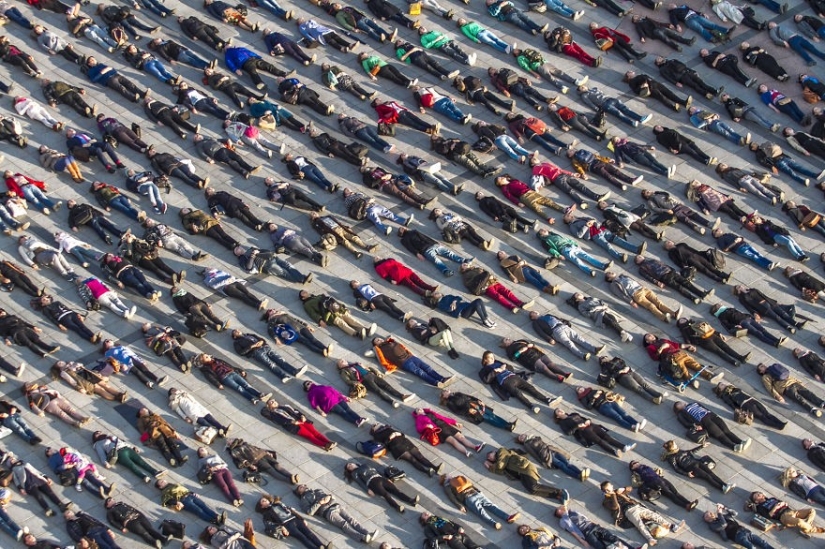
{"x":776,"y":37}
{"x":509,"y":195}
{"x":101,"y":453}
{"x":806,"y":29}
{"x":795,"y":144}
{"x":767,"y":382}
{"x":585,"y":97}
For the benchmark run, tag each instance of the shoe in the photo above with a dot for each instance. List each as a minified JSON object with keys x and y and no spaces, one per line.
{"x":286,"y":379}
{"x":408,"y":397}
{"x":479,"y":447}
{"x":586,"y":356}
{"x":717,"y":378}
{"x":564,"y":497}
{"x":728,"y":487}
{"x":162,"y":381}
{"x":816,"y":412}
{"x":536,"y":409}
{"x":626,"y":337}
{"x":360,"y":422}
{"x":554,"y":401}
{"x":585,"y":474}
{"x":629,"y":448}
{"x":675,"y":528}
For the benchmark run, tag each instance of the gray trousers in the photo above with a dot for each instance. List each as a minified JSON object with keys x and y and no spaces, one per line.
{"x":177,"y":245}
{"x":637,"y":384}
{"x":338,"y":517}
{"x":571,"y":339}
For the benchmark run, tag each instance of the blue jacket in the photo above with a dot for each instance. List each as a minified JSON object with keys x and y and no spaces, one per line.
{"x":97,"y":76}
{"x":236,"y":57}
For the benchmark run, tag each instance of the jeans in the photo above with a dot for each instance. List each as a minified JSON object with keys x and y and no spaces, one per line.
{"x":314,"y":174}
{"x":606,"y":241}
{"x":99,"y":37}
{"x":376,"y":213}
{"x":15,"y":15}
{"x":124,"y":205}
{"x":134,"y":278}
{"x":273,"y":7}
{"x":511,"y":147}
{"x":19,"y":427}
{"x":156,"y":7}
{"x":792,"y":110}
{"x":151,"y":190}
{"x":483,"y":507}
{"x":523,"y":22}
{"x":703,"y":26}
{"x":237,"y":383}
{"x":284,"y":269}
{"x":436,"y":252}
{"x":194,"y":504}
{"x":446,"y":107}
{"x":275,"y":362}
{"x":560,"y":462}
{"x":749,"y":540}
{"x":488,"y":38}
{"x":789,"y":243}
{"x":748,"y":252}
{"x":620,"y":110}
{"x":559,"y":7}
{"x":212,"y":107}
{"x":725,"y":131}
{"x":533,"y":276}
{"x":156,"y":69}
{"x":581,"y":258}
{"x":802,"y":46}
{"x":369,"y":136}
{"x":372,"y":29}
{"x":36,"y":197}
{"x":438,"y":182}
{"x":7,"y":524}
{"x":617,"y":414}
{"x":495,"y":420}
{"x":418,"y":367}
{"x":343,"y":410}
{"x":6,"y":219}
{"x":188,"y":57}
{"x":753,"y":115}
{"x":756,"y":329}
{"x":794,"y":169}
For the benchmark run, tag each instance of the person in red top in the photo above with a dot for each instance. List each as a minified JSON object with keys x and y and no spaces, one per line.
{"x":32,"y":190}
{"x":547,"y":173}
{"x":621,"y":42}
{"x":560,"y":40}
{"x":680,"y":363}
{"x":520,"y":194}
{"x":396,"y":272}
{"x":566,"y":119}
{"x":390,"y":112}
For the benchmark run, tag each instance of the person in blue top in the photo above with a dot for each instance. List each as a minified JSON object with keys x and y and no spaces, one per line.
{"x":456,"y":306}
{"x":506,"y":11}
{"x":278,"y":43}
{"x":243,"y":60}
{"x":264,"y":108}
{"x":105,"y":75}
{"x":128,"y":361}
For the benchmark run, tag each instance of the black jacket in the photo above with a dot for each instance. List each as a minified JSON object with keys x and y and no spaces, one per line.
{"x":82,"y":214}
{"x":417,"y":242}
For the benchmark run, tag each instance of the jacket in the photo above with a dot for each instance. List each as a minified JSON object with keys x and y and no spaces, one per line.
{"x":514,"y":463}
{"x":477,"y":280}
{"x":245,"y":455}
{"x":198,"y":221}
{"x":543,"y":451}
{"x":187,"y":407}
{"x":285,"y":416}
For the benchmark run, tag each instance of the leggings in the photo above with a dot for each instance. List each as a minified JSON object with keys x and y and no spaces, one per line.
{"x":596,"y":434}
{"x":42,"y":491}
{"x":702,"y":471}
{"x":158,"y":267}
{"x":142,"y":528}
{"x":21,"y":280}
{"x":669,"y":491}
{"x":761,"y":413}
{"x":269,"y":464}
{"x":387,"y":304}
{"x":417,"y":459}
{"x":239,"y":291}
{"x":382,"y":487}
{"x":299,"y":529}
{"x":309,"y":432}
{"x":133,"y":461}
{"x":718,"y":429}
{"x":222,"y":478}
{"x":61,"y":409}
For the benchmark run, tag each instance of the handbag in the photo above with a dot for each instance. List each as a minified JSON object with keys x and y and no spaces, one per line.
{"x":743,"y":416}
{"x":604,"y":44}
{"x":393,"y":473}
{"x":173,"y":528}
{"x":357,"y":391}
{"x":205,"y":474}
{"x":431,"y":436}
{"x":697,"y":435}
{"x":385,"y":129}
{"x":6,"y":477}
{"x":205,"y":434}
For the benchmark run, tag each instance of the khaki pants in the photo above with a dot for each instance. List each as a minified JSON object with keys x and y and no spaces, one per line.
{"x":346,"y":239}
{"x":535,"y":201}
{"x":646,"y":299}
{"x":638,"y":516}
{"x":802,"y":519}
{"x":687,"y":362}
{"x":347,"y":323}
{"x":443,"y":338}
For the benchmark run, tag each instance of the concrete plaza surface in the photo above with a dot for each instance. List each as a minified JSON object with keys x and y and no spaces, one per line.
{"x":758,"y":468}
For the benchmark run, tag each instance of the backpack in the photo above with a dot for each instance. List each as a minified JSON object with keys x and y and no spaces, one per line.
{"x":484,"y":145}
{"x":371,"y":448}
{"x":358,"y":209}
{"x":583,"y":156}
{"x":507,"y":77}
{"x":778,"y":372}
{"x":533,"y":56}
{"x":772,"y":150}
{"x":606,"y":380}
{"x":328,"y":242}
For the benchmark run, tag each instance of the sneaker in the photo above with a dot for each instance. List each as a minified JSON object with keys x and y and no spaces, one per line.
{"x":675,"y":528}
{"x":286,"y":379}
{"x":679,"y":312}
{"x":626,"y":337}
{"x":408,"y":397}
{"x":553,"y":401}
{"x":717,"y":378}
{"x":536,"y":409}
{"x":564,"y":497}
{"x":629,"y":448}
{"x":489,"y":324}
{"x":162,"y":381}
{"x":585,"y":474}
{"x":266,"y":396}
{"x":816,"y":412}
{"x":302,"y":370}
{"x":479,"y":447}
{"x":728,"y":487}
{"x":360,"y":422}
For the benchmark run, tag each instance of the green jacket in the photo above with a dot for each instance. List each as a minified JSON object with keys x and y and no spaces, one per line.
{"x":510,"y":461}
{"x":554,"y":243}
{"x":471,"y":31}
{"x":371,"y":62}
{"x":434,"y":40}
{"x":314,"y":308}
{"x":525,"y":63}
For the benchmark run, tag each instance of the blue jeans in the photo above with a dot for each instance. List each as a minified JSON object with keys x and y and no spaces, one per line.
{"x":621,"y":111}
{"x":519,"y":19}
{"x":792,"y":110}
{"x":719,"y":127}
{"x":376,"y":214}
{"x":134,"y":278}
{"x":373,"y":29}
{"x":749,"y":540}
{"x":606,"y":241}
{"x":36,"y":197}
{"x":212,"y":107}
{"x":6,"y":219}
{"x":7,"y":524}
{"x":646,"y":159}
{"x":86,"y":255}
{"x":275,"y":362}
{"x":789,"y":243}
{"x":511,"y":147}
{"x":156,"y":7}
{"x":313,"y":174}
{"x":533,"y":276}
{"x":156,"y":69}
{"x":483,"y":507}
{"x":446,"y":107}
{"x":704,"y":26}
{"x":418,"y":367}
{"x":343,"y":410}
{"x":15,"y":15}
{"x":235,"y":382}
{"x":190,"y":58}
{"x":151,"y":190}
{"x":19,"y":427}
{"x":369,"y":136}
{"x":772,"y":5}
{"x":194,"y":504}
{"x":617,"y":414}
{"x":802,"y":46}
{"x":488,"y":38}
{"x":495,"y":420}
{"x":435,"y":253}
{"x":748,"y":252}
{"x":124,"y":205}
{"x":438,"y":181}
{"x":794,"y":169}
{"x":284,"y":269}
{"x":581,"y":259}
{"x":817,"y":495}
{"x":756,"y":329}
{"x":753,"y":115}
{"x":560,"y":462}
{"x":559,"y":7}
{"x":273,"y":7}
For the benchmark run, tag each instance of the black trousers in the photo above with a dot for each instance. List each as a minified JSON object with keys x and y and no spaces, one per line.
{"x":233,"y":160}
{"x":385,"y":303}
{"x":77,"y":103}
{"x":141,"y":527}
{"x":519,"y":388}
{"x":239,"y":291}
{"x":386,"y":489}
{"x":219,"y":235}
{"x":417,"y":459}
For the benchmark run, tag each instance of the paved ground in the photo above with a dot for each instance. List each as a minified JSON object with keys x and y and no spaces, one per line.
{"x":758,"y":468}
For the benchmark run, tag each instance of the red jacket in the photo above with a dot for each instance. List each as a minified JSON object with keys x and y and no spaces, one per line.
{"x":388,"y":112}
{"x":392,"y":270}
{"x":607,"y":32}
{"x":514,"y":190}
{"x":14,"y":183}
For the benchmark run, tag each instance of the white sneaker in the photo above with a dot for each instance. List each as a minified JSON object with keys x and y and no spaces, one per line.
{"x":302,"y":370}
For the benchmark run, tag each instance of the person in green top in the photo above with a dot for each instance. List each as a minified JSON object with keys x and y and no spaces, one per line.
{"x":356,"y":21}
{"x":533,"y":62}
{"x":408,"y":53}
{"x":479,"y":34}
{"x":375,"y":67}
{"x":179,"y":498}
{"x":561,"y":246}
{"x":434,"y":40}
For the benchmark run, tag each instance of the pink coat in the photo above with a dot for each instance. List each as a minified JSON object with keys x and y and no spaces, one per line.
{"x":424,"y":422}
